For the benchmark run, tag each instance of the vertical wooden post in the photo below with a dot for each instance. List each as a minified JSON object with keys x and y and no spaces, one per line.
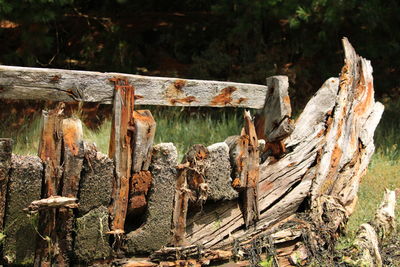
{"x":73,"y":154}
{"x":250,"y":199}
{"x":273,"y":123}
{"x":5,"y":164}
{"x":121,"y":151}
{"x":50,"y":153}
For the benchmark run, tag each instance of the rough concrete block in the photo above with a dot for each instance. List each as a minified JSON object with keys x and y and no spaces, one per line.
{"x":91,"y":241}
{"x":156,"y":231}
{"x":25,"y":184}
{"x":218,"y":173}
{"x":96,"y":180}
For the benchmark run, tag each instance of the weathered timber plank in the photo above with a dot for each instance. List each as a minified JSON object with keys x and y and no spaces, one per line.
{"x":121,"y":150}
{"x":251,"y":196}
{"x":25,"y":184}
{"x":273,"y":122}
{"x":70,"y":85}
{"x":5,"y":164}
{"x":72,"y":163}
{"x":50,"y":153}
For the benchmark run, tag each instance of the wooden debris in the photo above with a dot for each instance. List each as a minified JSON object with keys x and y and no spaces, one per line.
{"x":50,"y":146}
{"x":121,"y":150}
{"x":190,"y":185}
{"x":86,"y":86}
{"x":52,"y":202}
{"x":250,"y":199}
{"x":5,"y":164}
{"x":142,"y":145}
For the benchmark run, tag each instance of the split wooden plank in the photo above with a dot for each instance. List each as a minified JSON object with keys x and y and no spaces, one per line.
{"x":5,"y":164}
{"x":50,"y":146}
{"x":121,"y":151}
{"x":72,"y":163}
{"x":250,"y":200}
{"x":86,"y":86}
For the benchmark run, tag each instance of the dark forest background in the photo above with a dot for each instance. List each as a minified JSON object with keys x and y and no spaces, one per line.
{"x":236,"y":40}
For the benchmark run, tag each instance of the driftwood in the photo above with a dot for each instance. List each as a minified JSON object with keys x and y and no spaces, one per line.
{"x":70,"y":85}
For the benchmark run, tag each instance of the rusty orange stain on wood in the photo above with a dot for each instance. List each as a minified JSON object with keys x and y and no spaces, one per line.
{"x":179,"y":84}
{"x":139,"y":186}
{"x":185,"y":100}
{"x":138,"y":97}
{"x":241,"y":100}
{"x":368,"y":100}
{"x":71,"y":137}
{"x":55,"y":79}
{"x":224,"y":97}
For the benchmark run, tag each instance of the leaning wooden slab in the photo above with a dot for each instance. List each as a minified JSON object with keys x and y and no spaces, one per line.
{"x":71,"y":85}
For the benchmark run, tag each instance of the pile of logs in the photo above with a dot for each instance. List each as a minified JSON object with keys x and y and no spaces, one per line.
{"x":281,"y":187}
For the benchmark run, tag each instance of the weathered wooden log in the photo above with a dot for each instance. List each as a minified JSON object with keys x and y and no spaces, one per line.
{"x":327,"y":153}
{"x":70,"y":85}
{"x":121,"y":150}
{"x":5,"y":164}
{"x":50,"y":146}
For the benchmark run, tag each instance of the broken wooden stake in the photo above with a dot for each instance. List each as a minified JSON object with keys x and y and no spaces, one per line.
{"x":121,"y":150}
{"x":50,"y":146}
{"x":72,"y":164}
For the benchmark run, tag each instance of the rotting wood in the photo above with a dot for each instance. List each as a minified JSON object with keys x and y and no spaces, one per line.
{"x":5,"y":164}
{"x":85,"y":86}
{"x":273,"y":123}
{"x":50,"y":146}
{"x":190,"y":185}
{"x":285,"y":183}
{"x":52,"y":202}
{"x":143,"y":132}
{"x":120,"y":150}
{"x":250,"y":199}
{"x":73,"y":154}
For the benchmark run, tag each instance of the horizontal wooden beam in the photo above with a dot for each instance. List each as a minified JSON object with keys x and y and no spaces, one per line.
{"x":87,"y":86}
